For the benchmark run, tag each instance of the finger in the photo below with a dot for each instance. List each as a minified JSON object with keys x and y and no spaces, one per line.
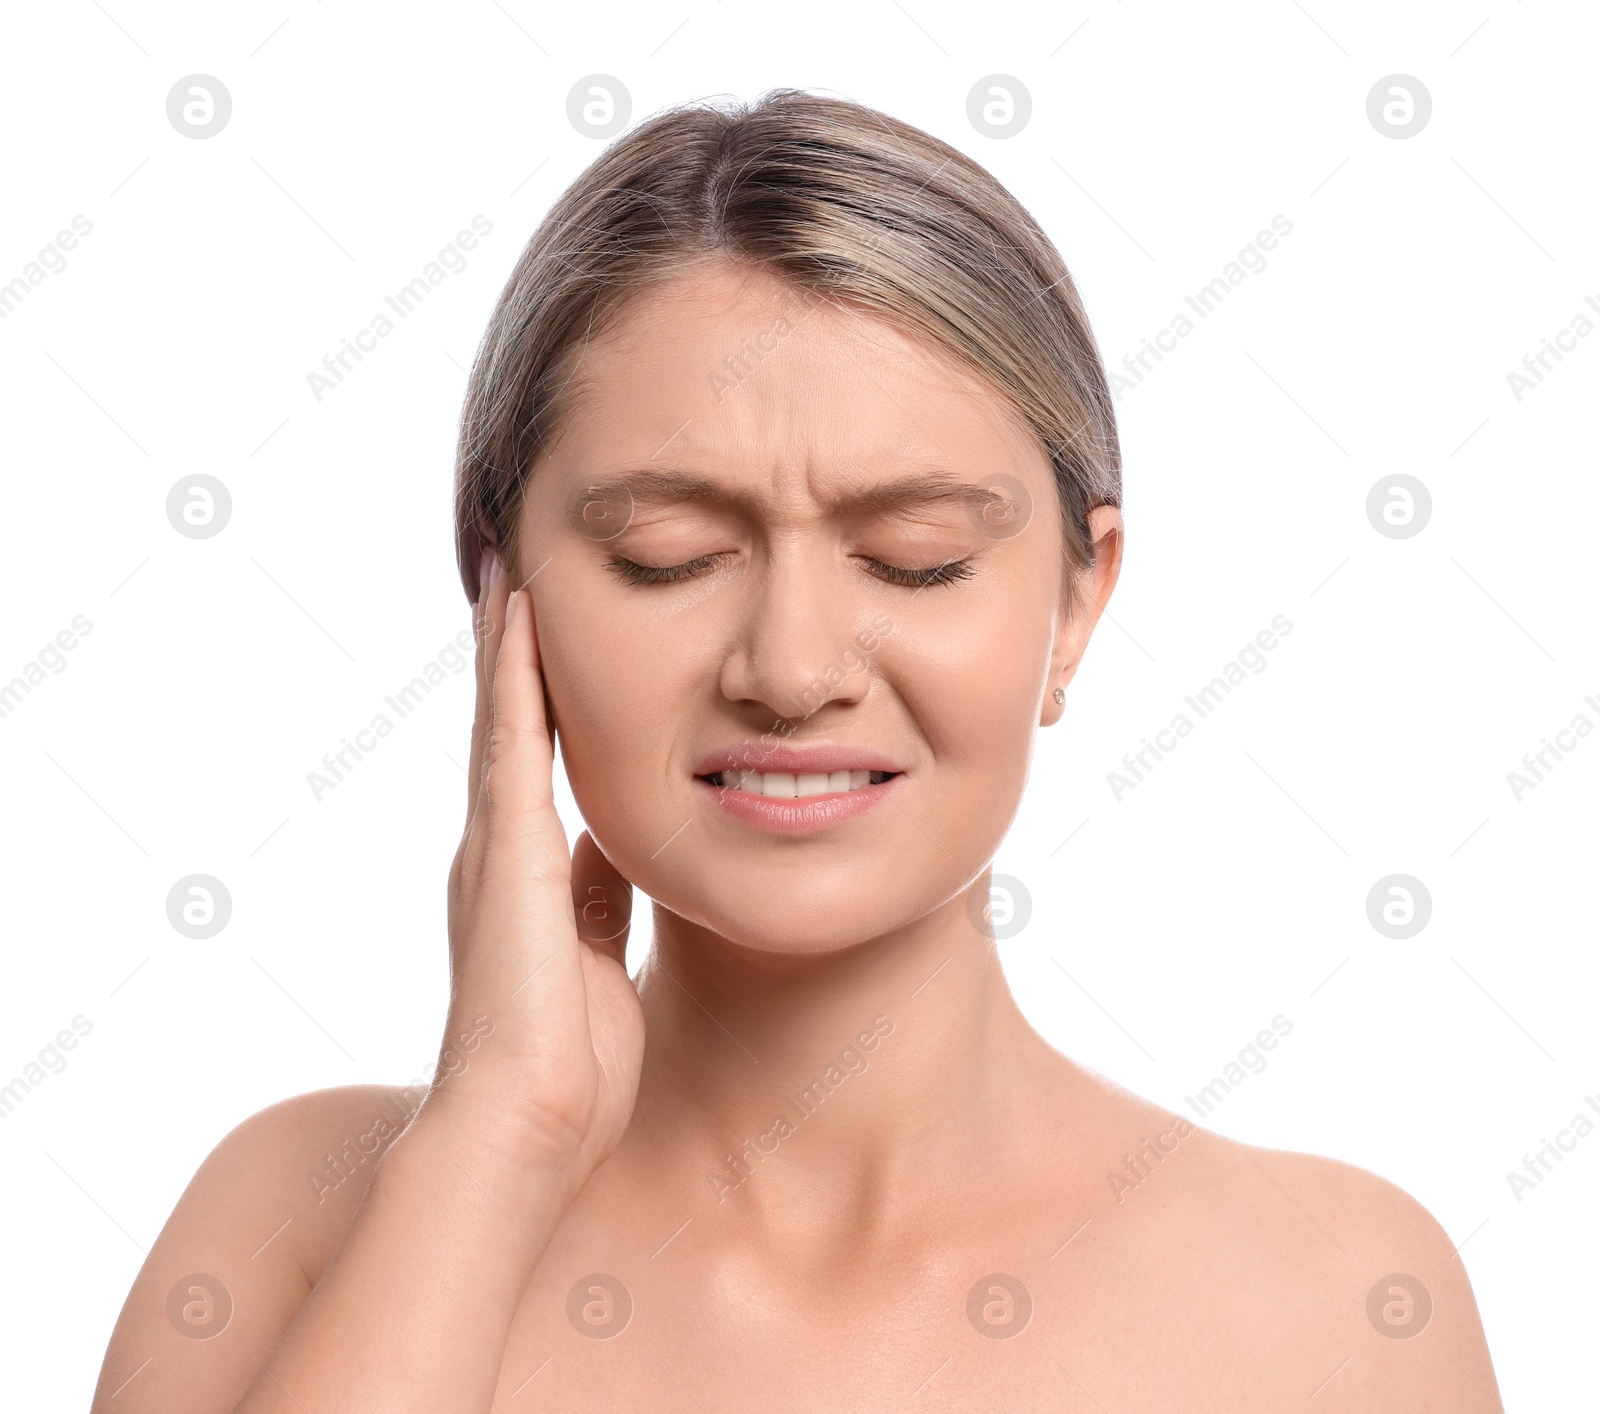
{"x":516,"y":820}
{"x":517,"y":939}
{"x":488,"y":622}
{"x":602,"y":901}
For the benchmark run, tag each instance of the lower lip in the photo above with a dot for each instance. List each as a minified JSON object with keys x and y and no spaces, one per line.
{"x":779,"y":815}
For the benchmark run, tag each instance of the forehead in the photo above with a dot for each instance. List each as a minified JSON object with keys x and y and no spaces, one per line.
{"x":742,"y":377}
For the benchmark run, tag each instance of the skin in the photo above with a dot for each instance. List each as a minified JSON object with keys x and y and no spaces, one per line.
{"x":582,"y":1125}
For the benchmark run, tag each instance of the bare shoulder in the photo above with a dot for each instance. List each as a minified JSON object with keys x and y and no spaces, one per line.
{"x":1386,"y":1276}
{"x":1314,"y":1274}
{"x":304,"y":1162}
{"x":250,"y":1236}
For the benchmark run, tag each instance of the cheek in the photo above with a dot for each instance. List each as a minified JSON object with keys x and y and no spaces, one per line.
{"x":595,"y":684}
{"x":619,"y":685}
{"x":972,"y":682}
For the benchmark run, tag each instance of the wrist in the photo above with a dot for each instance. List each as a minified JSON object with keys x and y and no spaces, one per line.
{"x":490,"y":1133}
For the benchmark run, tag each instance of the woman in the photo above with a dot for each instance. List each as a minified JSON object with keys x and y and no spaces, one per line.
{"x":788,"y":498}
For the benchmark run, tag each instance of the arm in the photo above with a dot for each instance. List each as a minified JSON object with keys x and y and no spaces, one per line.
{"x":413,"y":1310}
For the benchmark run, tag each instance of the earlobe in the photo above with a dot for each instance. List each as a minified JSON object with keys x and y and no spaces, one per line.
{"x":1050,"y":714}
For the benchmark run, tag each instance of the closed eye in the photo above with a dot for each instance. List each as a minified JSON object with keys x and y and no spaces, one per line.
{"x":631,"y":572}
{"x":950,"y":572}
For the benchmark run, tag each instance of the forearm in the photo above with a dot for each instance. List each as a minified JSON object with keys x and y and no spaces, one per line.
{"x":414,"y":1310}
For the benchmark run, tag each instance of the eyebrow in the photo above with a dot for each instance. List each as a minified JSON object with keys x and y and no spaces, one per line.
{"x":928,"y":488}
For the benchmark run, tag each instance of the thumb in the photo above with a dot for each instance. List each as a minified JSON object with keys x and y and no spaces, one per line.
{"x":602,"y":901}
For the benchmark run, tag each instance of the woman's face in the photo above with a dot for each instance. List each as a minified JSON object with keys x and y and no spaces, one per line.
{"x":806,"y":720}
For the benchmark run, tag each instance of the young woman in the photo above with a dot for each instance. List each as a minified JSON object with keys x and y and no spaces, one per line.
{"x":788,"y":498}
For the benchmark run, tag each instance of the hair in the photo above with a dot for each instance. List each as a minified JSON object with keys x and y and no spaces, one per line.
{"x":838,"y":201}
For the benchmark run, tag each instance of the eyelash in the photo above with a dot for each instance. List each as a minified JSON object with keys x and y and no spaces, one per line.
{"x":632,"y":573}
{"x":950,"y":572}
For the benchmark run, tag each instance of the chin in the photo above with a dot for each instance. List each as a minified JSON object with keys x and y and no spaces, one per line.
{"x":803,"y":905}
{"x":796,"y":927}
{"x":813,"y":893}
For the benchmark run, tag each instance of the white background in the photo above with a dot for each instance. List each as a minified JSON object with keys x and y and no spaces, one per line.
{"x":1230,"y":886}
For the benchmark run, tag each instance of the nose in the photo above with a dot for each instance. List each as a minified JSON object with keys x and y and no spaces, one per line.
{"x":797,"y":643}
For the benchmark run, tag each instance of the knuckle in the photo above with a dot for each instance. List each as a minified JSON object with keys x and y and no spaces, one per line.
{"x":505,"y":737}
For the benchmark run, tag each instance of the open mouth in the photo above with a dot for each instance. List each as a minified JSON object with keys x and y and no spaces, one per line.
{"x":789,"y":788}
{"x":795,"y":785}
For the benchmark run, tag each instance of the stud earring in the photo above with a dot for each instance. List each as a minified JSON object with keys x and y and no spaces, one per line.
{"x":1060,"y":696}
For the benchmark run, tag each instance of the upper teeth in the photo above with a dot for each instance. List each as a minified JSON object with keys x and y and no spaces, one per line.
{"x":790,"y":785}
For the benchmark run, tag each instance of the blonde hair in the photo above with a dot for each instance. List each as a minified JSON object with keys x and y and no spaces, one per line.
{"x":838,"y":201}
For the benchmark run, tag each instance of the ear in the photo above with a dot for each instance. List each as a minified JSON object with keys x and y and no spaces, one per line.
{"x":475,"y":539}
{"x":1083,"y":600}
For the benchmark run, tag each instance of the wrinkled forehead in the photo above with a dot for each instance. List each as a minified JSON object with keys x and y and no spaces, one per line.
{"x":744,"y":381}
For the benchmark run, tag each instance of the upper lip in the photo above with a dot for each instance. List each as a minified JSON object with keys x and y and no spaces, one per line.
{"x":812,"y":758}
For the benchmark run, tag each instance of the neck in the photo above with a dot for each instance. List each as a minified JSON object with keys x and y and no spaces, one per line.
{"x":770,"y":1077}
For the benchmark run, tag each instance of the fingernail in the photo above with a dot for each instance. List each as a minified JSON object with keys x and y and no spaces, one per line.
{"x":485,"y":565}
